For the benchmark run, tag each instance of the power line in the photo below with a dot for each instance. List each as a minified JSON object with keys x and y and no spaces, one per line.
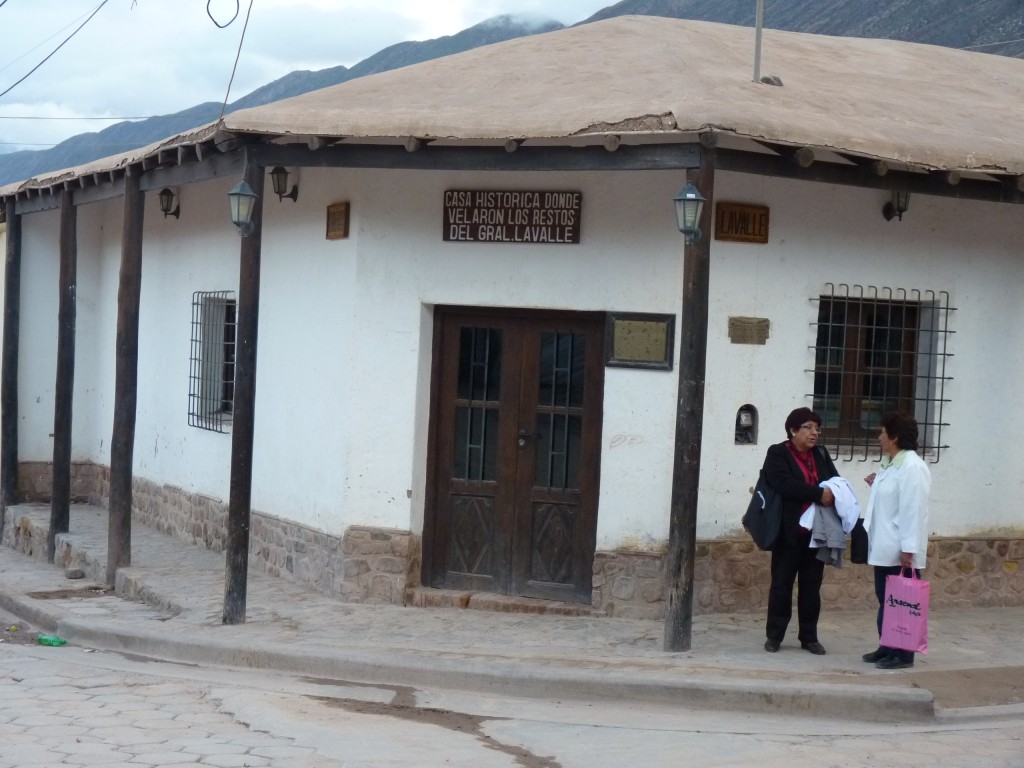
{"x":37,"y":66}
{"x":989,"y":45}
{"x":238,"y":55}
{"x":113,"y":117}
{"x":43,"y":144}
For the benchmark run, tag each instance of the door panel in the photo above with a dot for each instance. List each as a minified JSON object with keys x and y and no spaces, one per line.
{"x":516,"y":441}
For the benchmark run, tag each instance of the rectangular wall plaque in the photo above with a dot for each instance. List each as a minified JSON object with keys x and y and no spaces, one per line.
{"x":512,"y":217}
{"x":639,"y":340}
{"x":741,"y":223}
{"x":748,"y":330}
{"x":337,"y":221}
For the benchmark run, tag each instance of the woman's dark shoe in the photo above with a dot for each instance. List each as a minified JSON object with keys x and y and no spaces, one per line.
{"x":876,"y":655}
{"x":894,"y":662}
{"x":816,"y":648}
{"x":771,"y":645}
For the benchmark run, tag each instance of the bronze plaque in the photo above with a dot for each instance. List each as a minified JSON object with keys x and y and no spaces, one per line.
{"x":640,"y":340}
{"x":741,"y":223}
{"x":472,"y":216}
{"x":748,"y":330}
{"x":337,"y":221}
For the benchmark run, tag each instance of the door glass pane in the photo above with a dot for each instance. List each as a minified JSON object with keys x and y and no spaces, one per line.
{"x":479,"y":364}
{"x":558,"y":438}
{"x":561,"y":369}
{"x":475,"y":455}
{"x":558,"y":426}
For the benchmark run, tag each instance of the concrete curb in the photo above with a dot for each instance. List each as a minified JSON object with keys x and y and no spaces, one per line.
{"x":516,"y":678}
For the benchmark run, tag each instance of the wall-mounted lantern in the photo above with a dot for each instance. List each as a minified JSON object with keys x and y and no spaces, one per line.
{"x":242,"y":201}
{"x":689,"y":206}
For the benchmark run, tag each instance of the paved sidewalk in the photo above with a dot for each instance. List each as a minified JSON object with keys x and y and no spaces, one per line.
{"x":170,"y":607}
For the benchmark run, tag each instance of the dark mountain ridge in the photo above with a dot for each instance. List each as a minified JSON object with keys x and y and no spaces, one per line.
{"x":993,"y":26}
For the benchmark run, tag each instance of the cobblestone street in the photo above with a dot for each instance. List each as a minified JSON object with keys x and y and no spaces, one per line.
{"x":62,"y":713}
{"x":74,"y":707}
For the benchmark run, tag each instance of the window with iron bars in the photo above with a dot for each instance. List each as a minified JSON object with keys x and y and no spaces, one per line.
{"x":880,"y":350}
{"x":211,"y":387}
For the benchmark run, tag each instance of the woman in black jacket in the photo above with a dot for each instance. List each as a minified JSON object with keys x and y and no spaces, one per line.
{"x":794,"y":469}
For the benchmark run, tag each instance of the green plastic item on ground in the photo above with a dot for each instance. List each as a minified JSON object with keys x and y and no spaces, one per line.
{"x":52,"y":640}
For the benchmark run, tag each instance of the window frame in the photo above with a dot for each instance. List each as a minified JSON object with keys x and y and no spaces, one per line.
{"x":876,"y":350}
{"x":212,"y":360}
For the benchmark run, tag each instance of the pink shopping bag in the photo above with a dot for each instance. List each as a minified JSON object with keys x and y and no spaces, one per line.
{"x":905,"y":613}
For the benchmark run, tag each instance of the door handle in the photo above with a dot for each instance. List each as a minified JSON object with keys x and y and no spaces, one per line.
{"x":524,"y":435}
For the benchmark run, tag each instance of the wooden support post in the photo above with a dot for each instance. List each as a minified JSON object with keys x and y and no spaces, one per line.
{"x":243,"y":421}
{"x":682,"y":545}
{"x":9,"y":377}
{"x":122,"y":440}
{"x":60,"y":499}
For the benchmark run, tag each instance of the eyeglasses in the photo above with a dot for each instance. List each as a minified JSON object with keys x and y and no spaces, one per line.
{"x":811,"y":427}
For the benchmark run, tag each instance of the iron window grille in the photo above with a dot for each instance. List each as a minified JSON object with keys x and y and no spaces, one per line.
{"x":879,"y":350}
{"x":211,"y":390}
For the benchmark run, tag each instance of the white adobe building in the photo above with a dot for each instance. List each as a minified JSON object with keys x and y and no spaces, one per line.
{"x":473,"y":317}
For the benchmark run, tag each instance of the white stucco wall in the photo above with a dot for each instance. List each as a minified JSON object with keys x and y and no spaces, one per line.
{"x":819,"y":234}
{"x":37,"y":349}
{"x":343,"y":376}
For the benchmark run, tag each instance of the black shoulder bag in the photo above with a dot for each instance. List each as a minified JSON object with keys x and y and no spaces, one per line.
{"x":764,"y":514}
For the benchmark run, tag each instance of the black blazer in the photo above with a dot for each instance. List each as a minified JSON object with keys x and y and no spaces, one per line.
{"x":784,"y":475}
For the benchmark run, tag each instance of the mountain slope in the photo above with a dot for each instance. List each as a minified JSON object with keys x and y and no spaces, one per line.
{"x":128,"y":135}
{"x":951,"y":23}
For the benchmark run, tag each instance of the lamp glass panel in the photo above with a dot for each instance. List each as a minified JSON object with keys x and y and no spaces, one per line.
{"x":279,"y":179}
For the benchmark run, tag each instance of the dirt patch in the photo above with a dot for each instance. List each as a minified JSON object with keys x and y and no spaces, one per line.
{"x":65,"y":594}
{"x":982,"y":687}
{"x":19,"y":634}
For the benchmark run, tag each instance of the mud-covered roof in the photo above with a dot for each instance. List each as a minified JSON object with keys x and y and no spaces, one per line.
{"x":654,"y":79}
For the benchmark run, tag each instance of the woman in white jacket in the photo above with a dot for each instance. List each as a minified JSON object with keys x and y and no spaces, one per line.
{"x":896,"y":519}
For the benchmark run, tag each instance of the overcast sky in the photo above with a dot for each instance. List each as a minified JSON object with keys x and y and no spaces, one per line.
{"x":153,"y":57}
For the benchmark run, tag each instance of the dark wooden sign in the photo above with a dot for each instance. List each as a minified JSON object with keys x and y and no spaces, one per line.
{"x":741,"y":223}
{"x":337,"y":221}
{"x":473,"y":216}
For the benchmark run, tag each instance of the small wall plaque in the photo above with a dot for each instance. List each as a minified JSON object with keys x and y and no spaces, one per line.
{"x":748,"y":330}
{"x":337,"y":221}
{"x":741,"y":223}
{"x":639,"y":340}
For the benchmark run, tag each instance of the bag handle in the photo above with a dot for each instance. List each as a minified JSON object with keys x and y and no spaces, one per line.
{"x":913,"y":572}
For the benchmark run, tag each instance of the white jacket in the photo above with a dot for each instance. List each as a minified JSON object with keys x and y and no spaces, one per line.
{"x":897,"y":514}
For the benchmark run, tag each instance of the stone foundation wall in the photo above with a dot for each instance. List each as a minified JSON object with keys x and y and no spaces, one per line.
{"x":368,"y":565}
{"x":375,"y":565}
{"x":732,"y":576}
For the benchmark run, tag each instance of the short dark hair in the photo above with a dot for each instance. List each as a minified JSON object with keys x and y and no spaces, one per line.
{"x":796,"y":419}
{"x":901,"y":427}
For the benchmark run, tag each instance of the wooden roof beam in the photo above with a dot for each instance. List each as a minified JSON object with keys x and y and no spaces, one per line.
{"x":947,"y":177}
{"x":801,"y":156}
{"x":875,"y":165}
{"x":414,"y":143}
{"x":858,"y":176}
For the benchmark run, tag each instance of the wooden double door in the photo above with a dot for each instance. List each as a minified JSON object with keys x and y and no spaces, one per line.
{"x":515,"y":452}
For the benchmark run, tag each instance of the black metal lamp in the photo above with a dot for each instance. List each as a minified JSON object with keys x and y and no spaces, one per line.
{"x":895,"y":208}
{"x":167,"y":203}
{"x":689,"y":206}
{"x":242,"y":201}
{"x":279,"y":178}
